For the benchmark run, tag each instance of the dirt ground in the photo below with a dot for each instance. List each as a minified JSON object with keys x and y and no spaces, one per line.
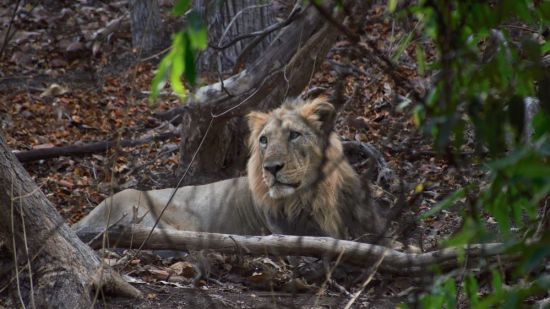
{"x":58,"y":88}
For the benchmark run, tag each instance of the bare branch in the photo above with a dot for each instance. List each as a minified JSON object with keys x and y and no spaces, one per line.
{"x":261,"y":33}
{"x":89,"y":148}
{"x":361,"y":254}
{"x":239,"y":13}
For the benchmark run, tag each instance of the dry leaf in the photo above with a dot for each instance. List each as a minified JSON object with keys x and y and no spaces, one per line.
{"x":185,"y":269}
{"x":159,"y":273}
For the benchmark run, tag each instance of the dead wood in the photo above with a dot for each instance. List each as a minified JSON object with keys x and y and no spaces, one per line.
{"x":360,"y":153}
{"x":86,"y":149}
{"x":356,"y":253}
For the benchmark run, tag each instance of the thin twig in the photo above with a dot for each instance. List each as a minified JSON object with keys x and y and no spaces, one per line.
{"x":156,"y":54}
{"x":262,"y":32}
{"x":102,"y":233}
{"x":240,"y":59}
{"x":369,"y":279}
{"x":328,"y":277}
{"x":214,"y":116}
{"x":177,"y":185}
{"x":33,"y":304}
{"x":239,"y":13}
{"x":15,"y":261}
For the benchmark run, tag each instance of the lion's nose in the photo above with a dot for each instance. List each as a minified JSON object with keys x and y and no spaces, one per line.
{"x":273,"y":168}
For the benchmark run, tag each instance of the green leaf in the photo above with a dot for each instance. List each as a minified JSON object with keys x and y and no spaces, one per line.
{"x":418,"y":115}
{"x":199,"y":39}
{"x":433,"y":97}
{"x":496,"y":281}
{"x":178,"y":67}
{"x":544,"y":10}
{"x":392,"y":5}
{"x":420,"y":61}
{"x":541,"y":124}
{"x":466,"y":234}
{"x":512,"y":159}
{"x":470,"y":286}
{"x":181,"y":7}
{"x":402,"y":45}
{"x":160,"y":78}
{"x":450,"y":293}
{"x":541,"y":194}
{"x":189,"y":57}
{"x":196,"y":30}
{"x":501,"y":212}
{"x":533,"y":169}
{"x":517,"y":209}
{"x":531,"y":49}
{"x":536,"y":258}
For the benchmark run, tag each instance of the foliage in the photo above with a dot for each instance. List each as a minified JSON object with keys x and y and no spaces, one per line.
{"x":181,"y":58}
{"x":484,"y":74}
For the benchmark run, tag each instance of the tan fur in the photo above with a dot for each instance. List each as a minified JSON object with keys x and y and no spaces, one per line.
{"x":315,"y":192}
{"x":335,"y":197}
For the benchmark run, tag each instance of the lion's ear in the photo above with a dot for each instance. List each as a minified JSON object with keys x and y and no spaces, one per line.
{"x":321,"y":113}
{"x":256,"y":120}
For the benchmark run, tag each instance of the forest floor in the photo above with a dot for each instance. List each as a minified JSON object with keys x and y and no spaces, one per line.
{"x":58,"y":86}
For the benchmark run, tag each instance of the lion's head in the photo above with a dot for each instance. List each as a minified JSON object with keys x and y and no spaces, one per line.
{"x":297,"y":163}
{"x":288,"y":146}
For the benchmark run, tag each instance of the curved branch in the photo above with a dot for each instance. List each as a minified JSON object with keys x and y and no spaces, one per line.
{"x":361,"y":254}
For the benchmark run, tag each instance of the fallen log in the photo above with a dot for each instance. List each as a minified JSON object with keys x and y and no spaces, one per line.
{"x":360,"y":254}
{"x":86,"y":149}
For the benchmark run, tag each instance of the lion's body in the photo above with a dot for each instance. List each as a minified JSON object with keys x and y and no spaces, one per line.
{"x":220,"y":207}
{"x":298,"y":182}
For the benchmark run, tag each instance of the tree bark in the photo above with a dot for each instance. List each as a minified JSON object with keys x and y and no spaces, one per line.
{"x":148,"y":34}
{"x":226,"y":20}
{"x":63,"y":268}
{"x":360,"y":254}
{"x":284,"y":69}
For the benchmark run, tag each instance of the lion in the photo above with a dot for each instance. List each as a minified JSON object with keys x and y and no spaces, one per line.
{"x":298,"y":183}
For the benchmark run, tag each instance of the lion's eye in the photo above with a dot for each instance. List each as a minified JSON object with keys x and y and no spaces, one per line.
{"x":294,"y":135}
{"x":263,"y":140}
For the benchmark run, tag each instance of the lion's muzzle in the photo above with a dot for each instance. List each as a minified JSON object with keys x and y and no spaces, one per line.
{"x":273,"y":167}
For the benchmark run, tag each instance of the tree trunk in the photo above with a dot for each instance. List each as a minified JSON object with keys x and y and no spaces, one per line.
{"x":148,"y":35}
{"x":62,"y":268}
{"x":283,"y":70}
{"x":226,"y":20}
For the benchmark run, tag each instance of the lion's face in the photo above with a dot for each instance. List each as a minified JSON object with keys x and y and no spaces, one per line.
{"x":288,"y":145}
